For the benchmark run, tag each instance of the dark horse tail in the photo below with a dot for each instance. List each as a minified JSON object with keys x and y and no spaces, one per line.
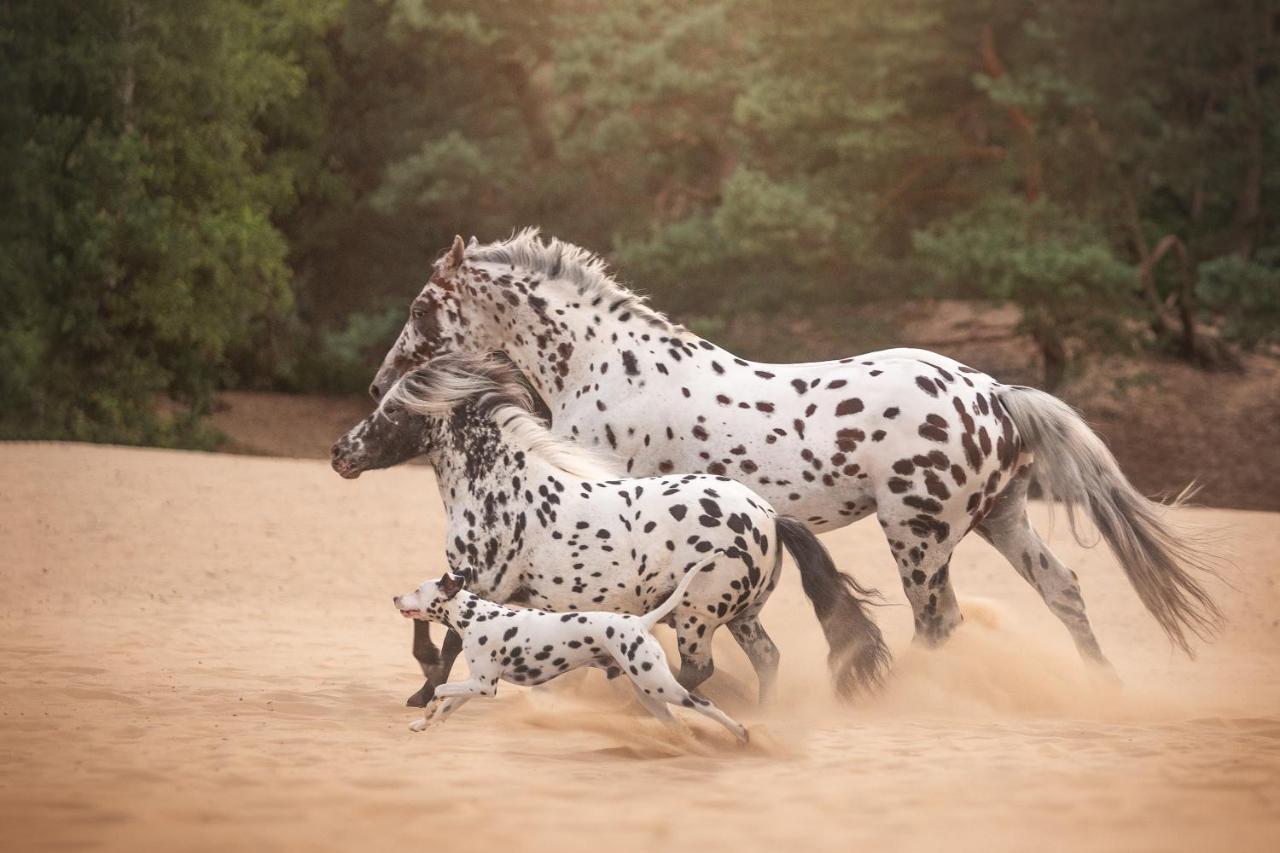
{"x":859,"y":658}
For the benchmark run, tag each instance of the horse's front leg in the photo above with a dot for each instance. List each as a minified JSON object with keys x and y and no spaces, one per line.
{"x":428,"y":658}
{"x":435,"y":664}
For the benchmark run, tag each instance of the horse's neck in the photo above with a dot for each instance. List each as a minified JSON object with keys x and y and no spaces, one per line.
{"x":566,"y":343}
{"x":478,"y":469}
{"x":471,"y":461}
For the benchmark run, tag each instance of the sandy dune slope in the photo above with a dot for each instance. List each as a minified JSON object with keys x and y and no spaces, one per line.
{"x":199,"y":652}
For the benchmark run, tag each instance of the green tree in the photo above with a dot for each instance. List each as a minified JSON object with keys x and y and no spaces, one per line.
{"x":138,"y":245}
{"x":1159,"y":133}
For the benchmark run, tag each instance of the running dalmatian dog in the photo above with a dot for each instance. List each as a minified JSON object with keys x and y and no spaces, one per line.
{"x":529,"y":647}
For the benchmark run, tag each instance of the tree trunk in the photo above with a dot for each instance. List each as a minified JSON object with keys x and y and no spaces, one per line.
{"x":1248,"y":212}
{"x":1199,"y":349}
{"x":1053,"y":351}
{"x":1033,"y":171}
{"x":532,"y":112}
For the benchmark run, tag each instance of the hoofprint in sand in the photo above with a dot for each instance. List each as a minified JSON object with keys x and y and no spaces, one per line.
{"x":196,"y":652}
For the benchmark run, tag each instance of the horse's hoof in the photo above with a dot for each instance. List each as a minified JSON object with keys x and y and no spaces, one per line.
{"x":421,"y":698}
{"x":1104,"y":673}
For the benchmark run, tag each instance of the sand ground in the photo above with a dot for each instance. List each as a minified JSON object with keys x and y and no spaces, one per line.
{"x":198,"y":652}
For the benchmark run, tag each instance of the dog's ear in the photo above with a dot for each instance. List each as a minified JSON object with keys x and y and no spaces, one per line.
{"x":451,"y":584}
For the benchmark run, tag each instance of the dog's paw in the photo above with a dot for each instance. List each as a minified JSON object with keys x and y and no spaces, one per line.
{"x":419,"y":726}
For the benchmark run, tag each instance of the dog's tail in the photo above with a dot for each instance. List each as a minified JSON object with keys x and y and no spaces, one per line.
{"x":1073,"y":466}
{"x":859,"y":658}
{"x":653,"y":617}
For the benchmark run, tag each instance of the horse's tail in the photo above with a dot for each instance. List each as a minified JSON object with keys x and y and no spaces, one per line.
{"x":1074,"y":466}
{"x":859,"y":657}
{"x":656,"y":615}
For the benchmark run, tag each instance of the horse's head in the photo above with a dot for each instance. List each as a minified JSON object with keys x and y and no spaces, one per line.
{"x":435,"y":323}
{"x":418,"y":413}
{"x":390,"y":435}
{"x":540,"y":301}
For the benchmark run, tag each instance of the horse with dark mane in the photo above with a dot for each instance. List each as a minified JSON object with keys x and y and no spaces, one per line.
{"x":538,"y":519}
{"x":933,"y":448}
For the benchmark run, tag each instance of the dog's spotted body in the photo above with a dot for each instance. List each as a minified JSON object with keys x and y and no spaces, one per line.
{"x":932,"y":447}
{"x":544,"y":522}
{"x":530,"y":646}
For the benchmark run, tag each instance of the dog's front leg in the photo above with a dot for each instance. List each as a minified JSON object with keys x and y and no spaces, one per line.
{"x":450,"y":697}
{"x":438,"y":710}
{"x":477,"y":685}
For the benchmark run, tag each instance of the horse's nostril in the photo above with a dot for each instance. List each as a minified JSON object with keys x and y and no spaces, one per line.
{"x":375,"y":392}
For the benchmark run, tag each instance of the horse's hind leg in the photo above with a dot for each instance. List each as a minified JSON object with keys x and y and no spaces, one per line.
{"x":924,"y":564}
{"x":926,"y":579}
{"x":435,"y":664}
{"x":760,"y":650}
{"x":693,"y":640}
{"x":1009,"y":530}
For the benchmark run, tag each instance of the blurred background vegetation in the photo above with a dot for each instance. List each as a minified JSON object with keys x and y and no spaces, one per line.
{"x":217,"y":194}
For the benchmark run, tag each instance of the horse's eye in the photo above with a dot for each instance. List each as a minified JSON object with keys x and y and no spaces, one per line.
{"x":418,"y":313}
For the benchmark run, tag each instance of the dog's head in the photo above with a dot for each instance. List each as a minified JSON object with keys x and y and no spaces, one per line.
{"x":428,"y":601}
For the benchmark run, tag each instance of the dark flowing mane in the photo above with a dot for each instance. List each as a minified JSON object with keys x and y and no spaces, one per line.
{"x":454,"y":378}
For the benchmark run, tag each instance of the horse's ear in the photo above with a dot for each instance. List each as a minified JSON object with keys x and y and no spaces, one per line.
{"x":473,"y":242}
{"x":457,"y":251}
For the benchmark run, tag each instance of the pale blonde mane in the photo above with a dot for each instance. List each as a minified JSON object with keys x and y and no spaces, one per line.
{"x":448,"y":380}
{"x":561,"y":261}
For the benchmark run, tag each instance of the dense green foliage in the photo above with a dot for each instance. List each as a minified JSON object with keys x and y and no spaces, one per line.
{"x":248,"y":191}
{"x":138,"y":246}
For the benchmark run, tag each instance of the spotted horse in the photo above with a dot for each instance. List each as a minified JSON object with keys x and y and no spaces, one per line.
{"x":932,"y":448}
{"x":543,"y":521}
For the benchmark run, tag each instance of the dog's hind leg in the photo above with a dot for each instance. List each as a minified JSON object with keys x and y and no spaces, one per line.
{"x":436,"y":664}
{"x":654,"y":706}
{"x":656,"y":686}
{"x":707,"y":709}
{"x":665,"y":687}
{"x":609,"y":665}
{"x":761,"y":651}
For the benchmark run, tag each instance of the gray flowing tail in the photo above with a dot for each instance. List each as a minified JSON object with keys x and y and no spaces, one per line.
{"x":653,"y":617}
{"x":859,"y":657}
{"x":1074,"y":466}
